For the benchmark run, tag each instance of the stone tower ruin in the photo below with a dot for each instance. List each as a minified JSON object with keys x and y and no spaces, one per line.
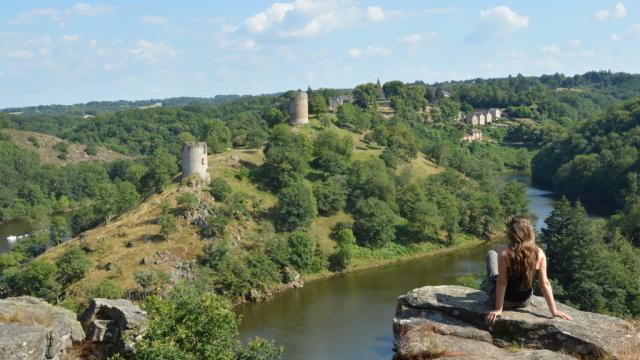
{"x":195,"y":161}
{"x":299,"y":109}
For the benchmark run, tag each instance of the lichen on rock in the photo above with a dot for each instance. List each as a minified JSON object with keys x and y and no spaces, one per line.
{"x":448,"y":321}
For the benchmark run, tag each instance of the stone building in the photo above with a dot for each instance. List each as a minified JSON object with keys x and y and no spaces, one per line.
{"x":335,"y":102}
{"x":481,"y":117}
{"x":473,"y":135}
{"x":195,"y":161}
{"x":299,"y":109}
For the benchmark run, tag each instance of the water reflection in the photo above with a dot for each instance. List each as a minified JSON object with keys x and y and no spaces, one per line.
{"x":350,"y":316}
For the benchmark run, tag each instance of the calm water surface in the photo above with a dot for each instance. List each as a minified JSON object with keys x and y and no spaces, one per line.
{"x":350,"y":316}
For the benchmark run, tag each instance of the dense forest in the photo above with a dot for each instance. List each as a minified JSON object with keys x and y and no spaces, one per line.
{"x":358,"y":163}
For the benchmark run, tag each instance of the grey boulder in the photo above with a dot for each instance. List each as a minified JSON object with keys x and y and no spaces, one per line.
{"x":448,"y":321}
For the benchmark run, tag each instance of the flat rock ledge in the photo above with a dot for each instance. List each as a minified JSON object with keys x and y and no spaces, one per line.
{"x":448,"y":322}
{"x":31,"y":328}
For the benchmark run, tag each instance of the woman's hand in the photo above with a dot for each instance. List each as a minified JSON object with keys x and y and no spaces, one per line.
{"x":491,"y":317}
{"x":562,"y":315}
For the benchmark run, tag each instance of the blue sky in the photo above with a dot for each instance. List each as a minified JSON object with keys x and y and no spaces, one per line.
{"x":68,"y":51}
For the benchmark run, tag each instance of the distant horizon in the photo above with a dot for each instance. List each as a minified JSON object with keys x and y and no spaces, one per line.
{"x":75,"y":51}
{"x":4,"y":109}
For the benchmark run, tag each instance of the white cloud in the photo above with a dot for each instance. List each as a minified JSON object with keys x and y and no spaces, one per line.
{"x":498,"y":22}
{"x":633,"y":32}
{"x":440,"y":11}
{"x":317,"y":17}
{"x":273,"y":14}
{"x":375,"y":13}
{"x":69,"y":38}
{"x":154,"y":20}
{"x":415,"y":39}
{"x":573,"y":44}
{"x":152,"y":52}
{"x":18,"y":54}
{"x":550,"y":49}
{"x":58,"y":16}
{"x":618,"y":12}
{"x":357,"y":53}
{"x":83,"y":9}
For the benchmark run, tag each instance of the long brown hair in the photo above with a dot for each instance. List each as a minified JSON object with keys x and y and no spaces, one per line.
{"x":523,"y":251}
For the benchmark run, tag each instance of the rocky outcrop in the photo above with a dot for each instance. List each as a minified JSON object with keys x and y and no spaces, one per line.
{"x":116,"y":324}
{"x":31,"y":328}
{"x":448,"y":322}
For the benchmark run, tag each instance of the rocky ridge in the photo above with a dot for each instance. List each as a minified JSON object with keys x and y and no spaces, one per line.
{"x":31,"y":328}
{"x":448,"y":322}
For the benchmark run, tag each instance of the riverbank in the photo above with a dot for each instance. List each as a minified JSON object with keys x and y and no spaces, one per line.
{"x":427,"y":252}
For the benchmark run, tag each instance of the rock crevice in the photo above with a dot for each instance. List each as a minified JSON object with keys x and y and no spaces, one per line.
{"x":448,"y":322}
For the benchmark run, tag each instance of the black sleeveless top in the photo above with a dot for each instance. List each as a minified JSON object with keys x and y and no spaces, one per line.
{"x":514,"y":292}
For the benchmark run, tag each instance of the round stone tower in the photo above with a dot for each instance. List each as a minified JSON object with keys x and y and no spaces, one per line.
{"x":195,"y":161}
{"x":299,"y":109}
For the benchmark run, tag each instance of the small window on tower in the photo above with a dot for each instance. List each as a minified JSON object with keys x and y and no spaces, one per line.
{"x":204,"y":150}
{"x":202,"y":161}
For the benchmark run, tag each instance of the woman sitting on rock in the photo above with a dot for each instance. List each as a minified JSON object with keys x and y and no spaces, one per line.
{"x":511,"y":270}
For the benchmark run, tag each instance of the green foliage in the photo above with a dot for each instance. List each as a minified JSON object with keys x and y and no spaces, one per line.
{"x":317,"y":104}
{"x":72,"y":265}
{"x":188,"y":200}
{"x":330,"y":195}
{"x":594,"y":275}
{"x":374,"y":223}
{"x":300,"y":251}
{"x":287,"y":156}
{"x":220,"y":189}
{"x":37,"y":278}
{"x":332,"y":152}
{"x":184,"y":316}
{"x":91,"y":149}
{"x":423,"y":216}
{"x":296,"y":207}
{"x":370,"y":178}
{"x":62,"y":148}
{"x":217,"y":135}
{"x":513,"y":198}
{"x":366,"y":95}
{"x":348,"y":115}
{"x":216,"y":223}
{"x":596,"y":160}
{"x":33,"y":141}
{"x":273,"y":117}
{"x":161,"y":167}
{"x":346,"y":248}
{"x":107,"y":289}
{"x":167,"y":221}
{"x":151,"y":281}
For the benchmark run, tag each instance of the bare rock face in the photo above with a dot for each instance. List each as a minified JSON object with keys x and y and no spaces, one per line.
{"x":31,"y":328}
{"x":116,"y":324}
{"x":448,"y":322}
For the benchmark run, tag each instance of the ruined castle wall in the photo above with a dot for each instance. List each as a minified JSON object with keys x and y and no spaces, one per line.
{"x":195,"y":161}
{"x":299,"y":109}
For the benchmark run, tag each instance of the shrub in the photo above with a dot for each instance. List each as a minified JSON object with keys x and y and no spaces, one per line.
{"x":91,"y":149}
{"x":296,"y":207}
{"x":374,"y":223}
{"x":220,"y":189}
{"x":331,"y":195}
{"x":107,"y":289}
{"x":300,"y":251}
{"x":72,"y":265}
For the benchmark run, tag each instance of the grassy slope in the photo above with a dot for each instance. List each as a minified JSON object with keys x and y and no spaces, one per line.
{"x":49,"y":155}
{"x":138,"y":226}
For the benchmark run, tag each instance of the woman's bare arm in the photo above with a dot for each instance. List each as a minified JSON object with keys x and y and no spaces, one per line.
{"x":501,"y":288}
{"x":545,"y":286}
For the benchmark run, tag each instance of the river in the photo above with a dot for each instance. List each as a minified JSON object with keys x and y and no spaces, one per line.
{"x":350,"y":316}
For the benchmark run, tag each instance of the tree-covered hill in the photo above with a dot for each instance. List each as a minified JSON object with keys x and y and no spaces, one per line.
{"x":599,"y":160}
